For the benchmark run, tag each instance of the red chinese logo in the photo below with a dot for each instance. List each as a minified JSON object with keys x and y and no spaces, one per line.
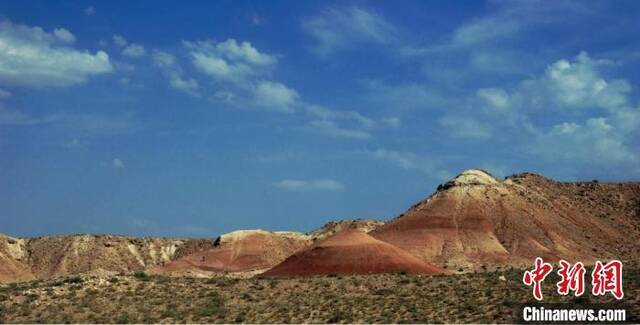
{"x":536,"y":276}
{"x":605,"y":278}
{"x":571,"y":278}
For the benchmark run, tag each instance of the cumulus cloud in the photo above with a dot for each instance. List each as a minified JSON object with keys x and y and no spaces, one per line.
{"x":229,"y":60}
{"x":189,"y":86}
{"x":590,"y":119}
{"x":162,"y":59}
{"x":274,"y":95}
{"x":342,"y":28}
{"x":494,"y":97}
{"x":578,"y":84}
{"x":31,"y":57}
{"x":64,"y":35}
{"x":134,"y":50}
{"x":594,"y":142}
{"x":567,"y":84}
{"x":310,"y":185}
{"x":241,"y":75}
{"x":177,"y":80}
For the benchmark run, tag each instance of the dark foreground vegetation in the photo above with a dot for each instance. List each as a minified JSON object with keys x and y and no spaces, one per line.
{"x":394,"y":298}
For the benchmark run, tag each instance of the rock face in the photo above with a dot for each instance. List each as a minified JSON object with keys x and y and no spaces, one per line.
{"x":350,"y":251}
{"x":53,"y":256}
{"x":13,"y":256}
{"x":475,"y":220}
{"x":242,"y":251}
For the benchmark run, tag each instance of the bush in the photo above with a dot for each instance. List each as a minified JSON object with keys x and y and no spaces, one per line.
{"x":73,"y":280}
{"x":140,"y":275}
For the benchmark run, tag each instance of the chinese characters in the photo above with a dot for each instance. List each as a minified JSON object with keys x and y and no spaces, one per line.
{"x":605,"y":278}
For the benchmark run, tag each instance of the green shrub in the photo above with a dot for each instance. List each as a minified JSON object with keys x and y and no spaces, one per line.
{"x":73,"y":280}
{"x":140,"y":275}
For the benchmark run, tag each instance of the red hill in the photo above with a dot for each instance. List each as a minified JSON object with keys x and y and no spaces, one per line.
{"x":239,"y":252}
{"x":351,"y":252}
{"x":476,"y":220}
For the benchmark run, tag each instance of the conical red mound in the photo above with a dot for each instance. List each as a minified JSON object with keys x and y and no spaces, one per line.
{"x":351,"y":252}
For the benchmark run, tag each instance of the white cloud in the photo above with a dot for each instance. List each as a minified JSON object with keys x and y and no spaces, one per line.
{"x":162,"y":59}
{"x":495,"y":97}
{"x":64,"y":35}
{"x":309,"y":185}
{"x":240,"y":75}
{"x":342,"y":28}
{"x":465,"y":127}
{"x":596,"y":142}
{"x":117,"y":163}
{"x":508,"y":19}
{"x":134,"y":50}
{"x":31,"y":57}
{"x":578,"y":84}
{"x":229,"y":60}
{"x":189,"y":86}
{"x":589,"y":119}
{"x":119,"y":40}
{"x":244,"y":51}
{"x":167,"y":62}
{"x":330,"y":128}
{"x":276,"y":96}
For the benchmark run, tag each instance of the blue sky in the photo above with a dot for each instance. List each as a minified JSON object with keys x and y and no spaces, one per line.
{"x":163,"y":119}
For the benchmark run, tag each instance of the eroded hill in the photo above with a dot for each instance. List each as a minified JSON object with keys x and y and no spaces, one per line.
{"x":476,"y":221}
{"x":242,"y":252}
{"x":52,"y":256}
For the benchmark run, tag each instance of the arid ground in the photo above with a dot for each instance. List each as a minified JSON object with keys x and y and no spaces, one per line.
{"x":390,"y":298}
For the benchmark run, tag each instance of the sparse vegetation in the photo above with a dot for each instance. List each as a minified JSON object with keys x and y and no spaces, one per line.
{"x":390,"y":298}
{"x":141,"y":276}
